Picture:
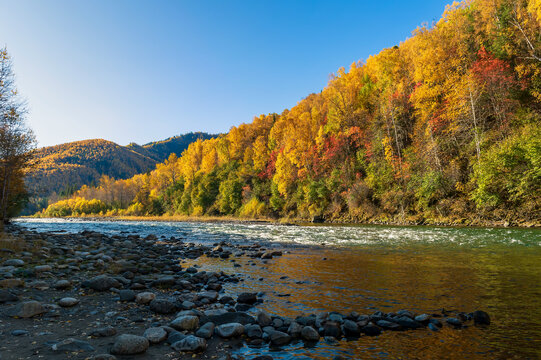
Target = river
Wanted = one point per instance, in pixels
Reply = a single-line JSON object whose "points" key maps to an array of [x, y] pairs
{"points": [[369, 268]]}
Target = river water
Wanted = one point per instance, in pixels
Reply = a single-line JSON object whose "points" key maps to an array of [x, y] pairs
{"points": [[369, 268]]}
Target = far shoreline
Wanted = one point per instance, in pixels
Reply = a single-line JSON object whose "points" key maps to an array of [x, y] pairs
{"points": [[299, 222]]}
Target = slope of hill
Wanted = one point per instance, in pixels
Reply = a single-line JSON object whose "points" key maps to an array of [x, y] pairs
{"points": [[160, 150], [63, 168]]}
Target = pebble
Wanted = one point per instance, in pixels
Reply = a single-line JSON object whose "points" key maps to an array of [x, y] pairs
{"points": [[127, 344], [68, 302], [190, 343], [155, 335]]}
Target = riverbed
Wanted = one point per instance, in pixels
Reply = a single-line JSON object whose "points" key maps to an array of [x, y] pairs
{"points": [[369, 268]]}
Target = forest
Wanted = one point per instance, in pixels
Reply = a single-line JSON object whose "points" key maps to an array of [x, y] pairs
{"points": [[444, 127]]}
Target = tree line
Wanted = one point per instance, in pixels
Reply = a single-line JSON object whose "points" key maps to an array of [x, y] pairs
{"points": [[442, 126]]}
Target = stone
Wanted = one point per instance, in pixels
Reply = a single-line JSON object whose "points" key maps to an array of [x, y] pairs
{"points": [[332, 328], [127, 344], [264, 319], [389, 325], [295, 329], [187, 305], [42, 268], [162, 306], [408, 323], [68, 302], [206, 330], [406, 313], [190, 343], [145, 297], [279, 338], [229, 330], [371, 330], [481, 318], [423, 318], [126, 295], [253, 331], [155, 335], [104, 332], [308, 333], [101, 283], [454, 322], [186, 322], [433, 327], [6, 296], [28, 309], [19, 332], [14, 262], [351, 328], [230, 317], [175, 336], [247, 298], [72, 345], [11, 283], [62, 284]]}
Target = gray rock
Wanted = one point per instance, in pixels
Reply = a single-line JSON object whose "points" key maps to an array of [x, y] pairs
{"points": [[71, 345], [247, 298], [68, 302], [14, 262], [102, 283], [162, 306], [333, 329], [253, 331], [104, 357], [279, 338], [127, 344], [263, 318], [104, 332], [127, 295], [351, 328], [295, 329], [408, 323], [371, 330], [186, 322], [308, 333], [423, 318], [481, 318], [42, 268], [230, 317], [388, 325], [187, 305], [229, 330], [28, 309], [206, 331], [6, 296], [155, 335], [62, 284], [175, 336], [190, 343], [144, 297], [19, 332], [454, 322], [405, 313], [433, 327]]}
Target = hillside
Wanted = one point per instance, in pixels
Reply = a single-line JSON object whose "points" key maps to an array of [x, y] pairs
{"points": [[62, 169], [443, 127], [160, 150]]}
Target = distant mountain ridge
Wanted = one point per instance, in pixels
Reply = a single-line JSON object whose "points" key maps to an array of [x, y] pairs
{"points": [[66, 167]]}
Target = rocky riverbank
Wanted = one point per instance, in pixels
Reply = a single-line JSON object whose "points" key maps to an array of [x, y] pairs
{"points": [[93, 296]]}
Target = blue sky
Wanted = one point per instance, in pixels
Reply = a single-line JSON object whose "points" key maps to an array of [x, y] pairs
{"points": [[141, 71]]}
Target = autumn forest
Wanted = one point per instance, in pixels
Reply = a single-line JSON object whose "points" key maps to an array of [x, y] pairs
{"points": [[443, 127]]}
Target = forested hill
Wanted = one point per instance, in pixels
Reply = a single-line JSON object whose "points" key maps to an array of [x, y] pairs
{"points": [[445, 126], [64, 168], [160, 150]]}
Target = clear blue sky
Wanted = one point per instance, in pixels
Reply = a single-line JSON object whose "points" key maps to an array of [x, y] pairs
{"points": [[141, 71]]}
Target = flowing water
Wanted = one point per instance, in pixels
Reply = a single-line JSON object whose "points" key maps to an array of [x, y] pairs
{"points": [[368, 268]]}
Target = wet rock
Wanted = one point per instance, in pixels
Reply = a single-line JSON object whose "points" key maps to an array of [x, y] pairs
{"points": [[42, 268], [14, 262], [104, 332], [423, 318], [230, 317], [332, 328], [350, 328], [72, 345], [371, 330], [229, 330], [28, 309], [155, 335], [247, 298], [406, 313], [68, 302], [11, 283], [104, 357], [101, 283], [190, 343], [433, 327], [481, 318], [6, 296], [389, 325], [186, 322], [264, 319], [164, 281], [295, 329], [454, 322], [19, 332], [144, 297], [206, 331], [162, 306], [279, 338], [175, 336], [253, 331], [408, 323], [308, 333], [127, 344], [126, 295]]}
